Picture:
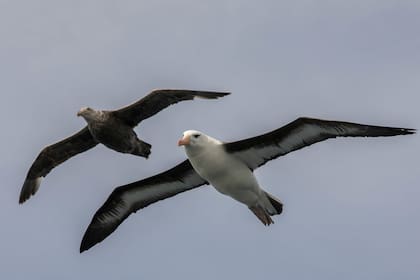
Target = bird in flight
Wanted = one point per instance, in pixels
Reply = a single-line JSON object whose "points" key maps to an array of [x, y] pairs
{"points": [[114, 129], [228, 167]]}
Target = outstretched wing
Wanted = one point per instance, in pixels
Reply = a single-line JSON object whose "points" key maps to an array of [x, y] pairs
{"points": [[53, 155], [300, 133], [129, 198], [158, 100]]}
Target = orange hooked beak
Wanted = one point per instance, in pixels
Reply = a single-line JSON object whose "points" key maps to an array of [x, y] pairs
{"points": [[184, 141]]}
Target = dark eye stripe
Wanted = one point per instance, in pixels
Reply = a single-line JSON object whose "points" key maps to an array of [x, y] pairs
{"points": [[196, 135]]}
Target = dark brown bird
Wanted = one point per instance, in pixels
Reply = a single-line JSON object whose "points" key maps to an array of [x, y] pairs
{"points": [[114, 129]]}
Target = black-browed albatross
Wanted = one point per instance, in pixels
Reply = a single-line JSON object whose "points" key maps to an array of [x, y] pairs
{"points": [[114, 129], [228, 167]]}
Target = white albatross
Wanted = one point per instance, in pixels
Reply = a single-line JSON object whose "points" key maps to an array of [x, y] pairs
{"points": [[228, 167]]}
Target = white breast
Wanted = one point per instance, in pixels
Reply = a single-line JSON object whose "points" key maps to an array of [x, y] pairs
{"points": [[226, 173]]}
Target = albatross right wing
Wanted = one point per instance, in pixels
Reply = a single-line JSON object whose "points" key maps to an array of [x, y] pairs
{"points": [[301, 133], [129, 198], [53, 155]]}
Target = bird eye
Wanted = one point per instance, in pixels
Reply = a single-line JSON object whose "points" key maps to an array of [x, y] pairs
{"points": [[196, 135]]}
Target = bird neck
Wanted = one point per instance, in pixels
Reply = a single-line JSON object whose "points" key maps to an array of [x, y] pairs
{"points": [[93, 116], [210, 146]]}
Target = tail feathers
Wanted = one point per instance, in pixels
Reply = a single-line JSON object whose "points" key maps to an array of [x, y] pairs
{"points": [[262, 214], [276, 203], [142, 149], [30, 187]]}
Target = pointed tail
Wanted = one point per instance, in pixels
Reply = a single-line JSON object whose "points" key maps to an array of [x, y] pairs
{"points": [[264, 213], [276, 203]]}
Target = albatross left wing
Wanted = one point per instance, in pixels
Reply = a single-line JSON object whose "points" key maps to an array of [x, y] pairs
{"points": [[129, 198], [158, 100], [300, 133]]}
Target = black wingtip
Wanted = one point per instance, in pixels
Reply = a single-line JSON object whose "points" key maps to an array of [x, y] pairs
{"points": [[221, 94], [408, 130], [22, 198], [87, 243], [211, 94], [393, 131], [111, 214], [82, 249]]}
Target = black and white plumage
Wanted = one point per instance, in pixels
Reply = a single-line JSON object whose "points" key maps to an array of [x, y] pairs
{"points": [[114, 129], [127, 199], [228, 167]]}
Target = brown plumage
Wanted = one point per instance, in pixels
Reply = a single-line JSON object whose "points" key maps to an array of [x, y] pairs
{"points": [[114, 129]]}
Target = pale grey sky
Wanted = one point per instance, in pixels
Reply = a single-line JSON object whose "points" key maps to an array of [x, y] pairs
{"points": [[352, 206]]}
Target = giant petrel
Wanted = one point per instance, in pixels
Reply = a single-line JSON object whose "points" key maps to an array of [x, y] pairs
{"points": [[114, 129]]}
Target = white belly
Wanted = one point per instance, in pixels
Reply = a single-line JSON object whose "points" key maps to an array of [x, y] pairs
{"points": [[228, 175]]}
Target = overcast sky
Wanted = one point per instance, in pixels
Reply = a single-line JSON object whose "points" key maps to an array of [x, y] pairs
{"points": [[351, 206]]}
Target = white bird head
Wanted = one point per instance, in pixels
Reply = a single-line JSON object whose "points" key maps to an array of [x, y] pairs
{"points": [[192, 139], [87, 113]]}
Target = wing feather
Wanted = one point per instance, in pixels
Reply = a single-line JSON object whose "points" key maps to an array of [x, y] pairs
{"points": [[158, 100], [53, 155], [130, 198], [300, 133]]}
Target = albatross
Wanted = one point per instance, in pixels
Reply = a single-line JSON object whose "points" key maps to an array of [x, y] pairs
{"points": [[228, 167], [114, 129]]}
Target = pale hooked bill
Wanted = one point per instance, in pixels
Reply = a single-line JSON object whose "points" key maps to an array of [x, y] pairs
{"points": [[228, 167]]}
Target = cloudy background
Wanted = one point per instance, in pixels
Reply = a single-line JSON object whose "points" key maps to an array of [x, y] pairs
{"points": [[352, 206]]}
